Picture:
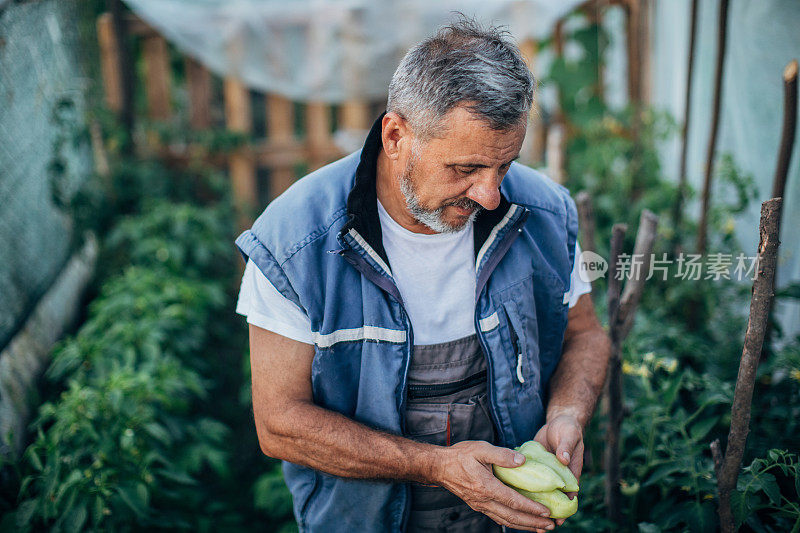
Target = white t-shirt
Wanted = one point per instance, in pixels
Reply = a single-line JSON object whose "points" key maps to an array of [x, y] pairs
{"points": [[435, 275]]}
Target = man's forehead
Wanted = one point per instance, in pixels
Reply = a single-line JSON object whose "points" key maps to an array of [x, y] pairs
{"points": [[464, 118], [461, 127], [467, 136]]}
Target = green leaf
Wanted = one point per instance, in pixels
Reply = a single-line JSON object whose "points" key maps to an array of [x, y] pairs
{"points": [[75, 519], [97, 512], [25, 512], [647, 527], [703, 518], [178, 477], [132, 496], [701, 428], [158, 432], [770, 486], [797, 483], [35, 460], [671, 393], [740, 506], [662, 472], [73, 478]]}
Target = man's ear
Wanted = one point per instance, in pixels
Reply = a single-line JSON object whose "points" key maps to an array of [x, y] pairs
{"points": [[396, 135]]}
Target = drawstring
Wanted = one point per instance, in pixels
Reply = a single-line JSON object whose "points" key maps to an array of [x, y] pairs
{"points": [[448, 427], [519, 368]]}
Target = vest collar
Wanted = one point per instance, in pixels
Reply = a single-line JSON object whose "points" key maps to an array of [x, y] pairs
{"points": [[362, 203]]}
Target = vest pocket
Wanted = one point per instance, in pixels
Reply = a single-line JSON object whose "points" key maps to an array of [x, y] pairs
{"points": [[522, 347], [447, 423], [416, 392], [426, 422]]}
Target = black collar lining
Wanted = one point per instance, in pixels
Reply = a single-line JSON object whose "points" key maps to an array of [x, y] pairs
{"points": [[362, 202]]}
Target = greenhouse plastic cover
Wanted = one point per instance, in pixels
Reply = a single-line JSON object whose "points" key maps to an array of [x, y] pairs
{"points": [[325, 50]]}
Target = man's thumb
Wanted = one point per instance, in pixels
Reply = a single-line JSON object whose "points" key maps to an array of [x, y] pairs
{"points": [[565, 449], [503, 457]]}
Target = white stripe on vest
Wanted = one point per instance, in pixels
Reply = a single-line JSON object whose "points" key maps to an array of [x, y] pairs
{"points": [[364, 333], [489, 323]]}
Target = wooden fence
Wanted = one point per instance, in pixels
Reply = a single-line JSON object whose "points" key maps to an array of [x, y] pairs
{"points": [[287, 146]]}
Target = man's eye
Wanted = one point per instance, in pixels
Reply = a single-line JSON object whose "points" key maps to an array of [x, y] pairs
{"points": [[465, 171]]}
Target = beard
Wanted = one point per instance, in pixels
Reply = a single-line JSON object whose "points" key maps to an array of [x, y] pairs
{"points": [[433, 218]]}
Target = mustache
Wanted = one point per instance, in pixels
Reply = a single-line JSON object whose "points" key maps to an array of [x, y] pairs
{"points": [[465, 203]]}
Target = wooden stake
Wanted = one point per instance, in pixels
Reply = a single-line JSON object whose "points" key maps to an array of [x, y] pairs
{"points": [[557, 129], [109, 62], [784, 156], [621, 313], [533, 148], [643, 249], [555, 151], [280, 124], [636, 15], [242, 168], [645, 76], [318, 133], [722, 31], [677, 212], [157, 77], [198, 83], [596, 17], [124, 68], [633, 42], [354, 115], [586, 220], [728, 471], [613, 388], [787, 131]]}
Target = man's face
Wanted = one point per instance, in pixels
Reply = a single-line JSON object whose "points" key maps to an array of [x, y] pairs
{"points": [[449, 178]]}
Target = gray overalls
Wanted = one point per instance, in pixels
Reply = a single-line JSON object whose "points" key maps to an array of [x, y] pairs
{"points": [[447, 403]]}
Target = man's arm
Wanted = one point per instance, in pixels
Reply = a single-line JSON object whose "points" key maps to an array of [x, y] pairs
{"points": [[291, 427], [576, 384], [578, 380]]}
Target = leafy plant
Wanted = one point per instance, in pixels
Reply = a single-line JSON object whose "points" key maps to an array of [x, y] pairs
{"points": [[186, 239], [767, 495], [111, 453]]}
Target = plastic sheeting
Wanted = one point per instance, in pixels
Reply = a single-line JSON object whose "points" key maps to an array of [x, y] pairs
{"points": [[325, 50], [762, 38], [42, 107]]}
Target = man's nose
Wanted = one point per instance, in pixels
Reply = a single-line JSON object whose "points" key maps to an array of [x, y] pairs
{"points": [[486, 190]]}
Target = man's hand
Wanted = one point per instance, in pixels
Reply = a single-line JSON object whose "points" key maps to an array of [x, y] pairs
{"points": [[575, 386], [466, 471], [563, 436]]}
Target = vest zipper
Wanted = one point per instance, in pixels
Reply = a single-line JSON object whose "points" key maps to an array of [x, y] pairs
{"points": [[445, 389], [516, 345], [482, 279]]}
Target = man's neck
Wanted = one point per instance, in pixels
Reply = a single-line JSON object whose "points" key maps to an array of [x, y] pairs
{"points": [[391, 197]]}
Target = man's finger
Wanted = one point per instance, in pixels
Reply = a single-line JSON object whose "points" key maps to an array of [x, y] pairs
{"points": [[576, 465], [516, 519], [519, 514], [499, 456], [566, 446], [518, 502]]}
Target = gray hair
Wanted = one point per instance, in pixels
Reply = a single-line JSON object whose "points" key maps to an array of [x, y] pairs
{"points": [[463, 64]]}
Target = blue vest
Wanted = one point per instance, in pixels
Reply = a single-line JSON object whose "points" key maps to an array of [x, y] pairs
{"points": [[320, 245]]}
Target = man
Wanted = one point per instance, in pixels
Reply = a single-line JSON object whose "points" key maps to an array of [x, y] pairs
{"points": [[414, 307]]}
